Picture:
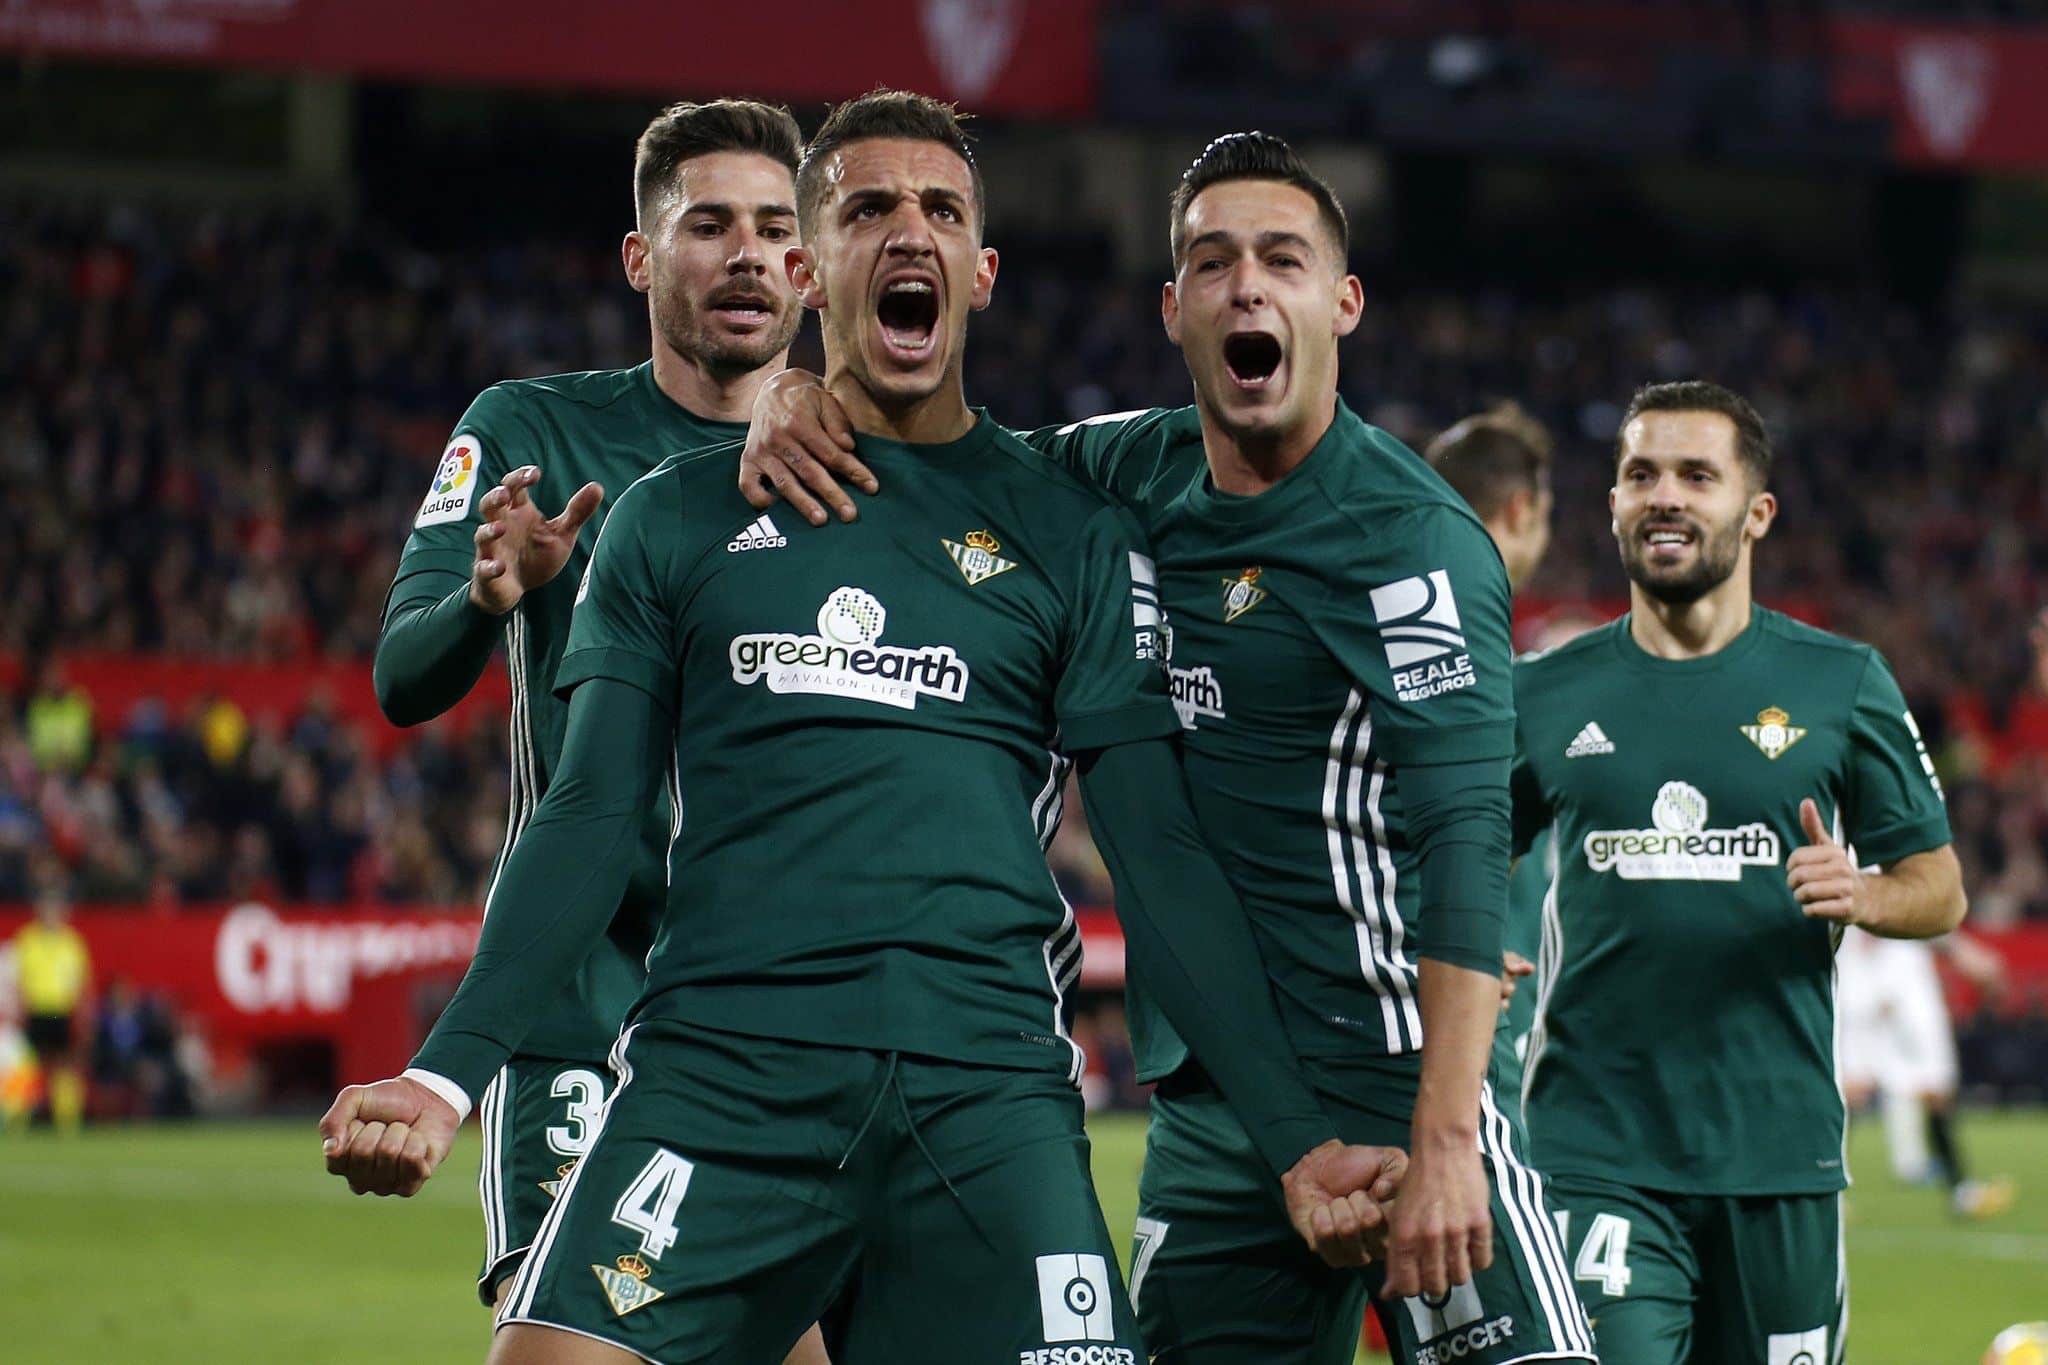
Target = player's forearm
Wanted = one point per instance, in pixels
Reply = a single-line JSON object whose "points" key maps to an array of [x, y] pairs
{"points": [[434, 646], [1919, 896], [1459, 1009], [1188, 941], [561, 884], [1458, 816]]}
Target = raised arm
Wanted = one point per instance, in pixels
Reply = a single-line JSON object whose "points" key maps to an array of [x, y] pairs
{"points": [[1191, 945], [552, 900]]}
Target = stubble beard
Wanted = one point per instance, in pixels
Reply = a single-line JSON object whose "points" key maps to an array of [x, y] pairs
{"points": [[1720, 550], [689, 335]]}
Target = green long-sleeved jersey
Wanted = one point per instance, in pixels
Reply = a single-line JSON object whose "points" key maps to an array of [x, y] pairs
{"points": [[606, 426], [1340, 662], [871, 726]]}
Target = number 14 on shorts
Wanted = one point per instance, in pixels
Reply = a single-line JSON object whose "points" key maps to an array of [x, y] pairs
{"points": [[1603, 1260]]}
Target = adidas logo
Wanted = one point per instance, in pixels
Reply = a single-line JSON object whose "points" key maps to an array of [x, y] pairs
{"points": [[1591, 740], [761, 535]]}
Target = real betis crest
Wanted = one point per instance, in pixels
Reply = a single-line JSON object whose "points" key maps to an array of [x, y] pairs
{"points": [[1241, 594], [977, 558], [627, 1286], [1773, 732], [554, 1187]]}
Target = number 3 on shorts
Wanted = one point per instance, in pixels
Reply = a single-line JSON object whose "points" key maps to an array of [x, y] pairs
{"points": [[1604, 1257], [649, 1204], [585, 1092]]}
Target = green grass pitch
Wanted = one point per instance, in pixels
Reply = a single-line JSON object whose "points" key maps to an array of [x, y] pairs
{"points": [[226, 1242]]}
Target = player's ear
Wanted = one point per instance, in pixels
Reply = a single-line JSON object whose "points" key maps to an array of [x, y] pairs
{"points": [[985, 263], [633, 253], [1763, 510], [1350, 305], [803, 275], [1169, 311], [1613, 521]]}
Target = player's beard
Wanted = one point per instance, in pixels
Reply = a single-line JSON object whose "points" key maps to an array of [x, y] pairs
{"points": [[1720, 550], [685, 326]]}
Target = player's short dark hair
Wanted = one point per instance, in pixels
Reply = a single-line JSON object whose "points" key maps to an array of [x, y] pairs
{"points": [[1493, 455], [683, 132], [883, 113], [1255, 156], [1752, 439]]}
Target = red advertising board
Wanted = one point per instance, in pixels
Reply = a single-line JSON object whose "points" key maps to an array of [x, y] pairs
{"points": [[1009, 56], [253, 974]]}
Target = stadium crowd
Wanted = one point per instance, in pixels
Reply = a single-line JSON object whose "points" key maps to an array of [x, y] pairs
{"points": [[214, 430]]}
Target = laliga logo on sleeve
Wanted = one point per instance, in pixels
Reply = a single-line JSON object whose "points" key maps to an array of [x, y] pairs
{"points": [[454, 484]]}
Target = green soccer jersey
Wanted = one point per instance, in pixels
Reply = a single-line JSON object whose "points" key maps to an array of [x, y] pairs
{"points": [[1349, 621], [607, 426], [1685, 1032], [909, 685]]}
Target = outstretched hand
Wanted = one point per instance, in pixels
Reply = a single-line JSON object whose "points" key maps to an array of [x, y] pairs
{"points": [[1334, 1197], [518, 549], [387, 1138]]}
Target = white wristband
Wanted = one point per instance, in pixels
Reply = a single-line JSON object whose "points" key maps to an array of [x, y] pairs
{"points": [[457, 1097]]}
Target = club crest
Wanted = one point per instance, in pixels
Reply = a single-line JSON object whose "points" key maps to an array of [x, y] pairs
{"points": [[1773, 732], [627, 1286], [974, 554], [1241, 594]]}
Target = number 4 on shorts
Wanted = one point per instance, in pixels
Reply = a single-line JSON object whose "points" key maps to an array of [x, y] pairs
{"points": [[649, 1204], [1604, 1257]]}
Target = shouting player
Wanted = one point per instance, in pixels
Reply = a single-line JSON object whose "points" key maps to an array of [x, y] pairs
{"points": [[847, 1090], [1340, 662], [1706, 766], [715, 198]]}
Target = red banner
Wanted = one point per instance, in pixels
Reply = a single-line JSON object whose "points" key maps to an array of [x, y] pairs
{"points": [[1009, 56], [252, 974], [1954, 95]]}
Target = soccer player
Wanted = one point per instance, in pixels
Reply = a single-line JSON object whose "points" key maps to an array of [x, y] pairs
{"points": [[715, 199], [1707, 765], [1499, 463], [847, 1090], [1339, 659]]}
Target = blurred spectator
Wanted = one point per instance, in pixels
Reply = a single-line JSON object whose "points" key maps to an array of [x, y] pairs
{"points": [[137, 1069], [53, 970], [215, 450]]}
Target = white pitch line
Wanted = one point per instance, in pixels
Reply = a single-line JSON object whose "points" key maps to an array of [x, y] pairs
{"points": [[1984, 1246]]}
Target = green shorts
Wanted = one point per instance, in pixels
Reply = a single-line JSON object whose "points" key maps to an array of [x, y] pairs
{"points": [[1221, 1278], [1738, 1280], [538, 1116], [742, 1188]]}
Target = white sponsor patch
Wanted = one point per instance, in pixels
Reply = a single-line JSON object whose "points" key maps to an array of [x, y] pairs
{"points": [[1423, 637], [1073, 1298], [1197, 695], [1146, 618], [454, 485], [1797, 1348], [1679, 846], [844, 660]]}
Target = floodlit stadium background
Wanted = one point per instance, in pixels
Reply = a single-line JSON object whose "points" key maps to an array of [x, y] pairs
{"points": [[255, 258]]}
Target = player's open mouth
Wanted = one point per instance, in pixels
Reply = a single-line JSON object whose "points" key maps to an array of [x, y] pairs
{"points": [[908, 312], [743, 310], [1668, 542], [1252, 358]]}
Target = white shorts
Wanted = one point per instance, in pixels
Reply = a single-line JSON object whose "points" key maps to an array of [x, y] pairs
{"points": [[1894, 1030]]}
